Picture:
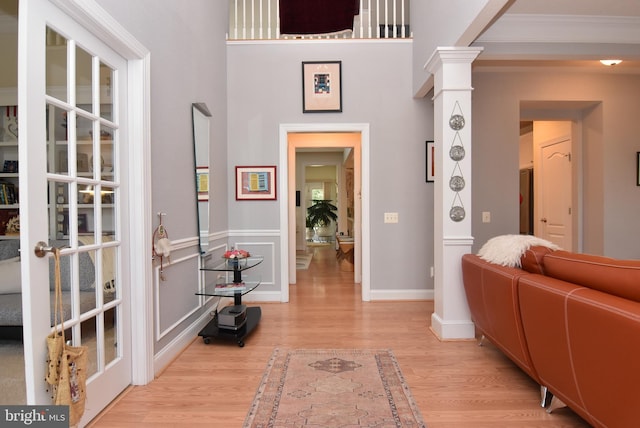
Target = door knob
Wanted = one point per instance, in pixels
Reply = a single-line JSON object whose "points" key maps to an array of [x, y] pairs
{"points": [[544, 220], [42, 249]]}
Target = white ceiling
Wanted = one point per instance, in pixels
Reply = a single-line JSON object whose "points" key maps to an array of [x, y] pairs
{"points": [[563, 34], [577, 7]]}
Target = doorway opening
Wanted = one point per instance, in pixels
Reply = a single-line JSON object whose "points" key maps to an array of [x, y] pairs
{"points": [[571, 132], [345, 139], [566, 133], [547, 195]]}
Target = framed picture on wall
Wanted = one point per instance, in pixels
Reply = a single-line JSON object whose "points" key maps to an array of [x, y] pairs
{"points": [[255, 183], [431, 162], [322, 86]]}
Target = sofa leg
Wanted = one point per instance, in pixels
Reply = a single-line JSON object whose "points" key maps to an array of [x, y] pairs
{"points": [[481, 341], [556, 403], [545, 396], [550, 401]]}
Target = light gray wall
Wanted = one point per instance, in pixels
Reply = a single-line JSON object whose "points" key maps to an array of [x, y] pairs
{"points": [[443, 23], [188, 64], [265, 90], [611, 199], [187, 45]]}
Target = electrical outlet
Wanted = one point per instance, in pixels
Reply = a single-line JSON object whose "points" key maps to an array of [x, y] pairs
{"points": [[390, 217], [486, 217]]}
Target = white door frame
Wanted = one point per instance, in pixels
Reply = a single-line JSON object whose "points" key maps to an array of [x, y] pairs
{"points": [[287, 211], [106, 28]]}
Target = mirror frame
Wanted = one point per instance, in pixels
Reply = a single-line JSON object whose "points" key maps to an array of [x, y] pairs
{"points": [[200, 115]]}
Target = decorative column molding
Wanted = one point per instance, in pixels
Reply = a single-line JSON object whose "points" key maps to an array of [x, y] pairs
{"points": [[451, 68]]}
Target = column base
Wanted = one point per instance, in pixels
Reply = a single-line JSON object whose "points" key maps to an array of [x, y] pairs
{"points": [[452, 330]]}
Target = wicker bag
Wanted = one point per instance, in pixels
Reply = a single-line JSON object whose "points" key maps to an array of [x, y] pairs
{"points": [[66, 365]]}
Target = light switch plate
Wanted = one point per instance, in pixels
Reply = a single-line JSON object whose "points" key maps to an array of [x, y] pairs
{"points": [[390, 217]]}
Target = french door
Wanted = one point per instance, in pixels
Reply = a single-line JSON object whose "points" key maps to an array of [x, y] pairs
{"points": [[72, 96]]}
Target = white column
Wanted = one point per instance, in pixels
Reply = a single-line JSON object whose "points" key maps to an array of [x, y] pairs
{"points": [[451, 68]]}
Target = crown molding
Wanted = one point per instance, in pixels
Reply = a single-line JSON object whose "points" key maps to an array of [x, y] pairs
{"points": [[530, 28]]}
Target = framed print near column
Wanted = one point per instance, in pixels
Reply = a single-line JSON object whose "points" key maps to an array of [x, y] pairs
{"points": [[322, 86], [255, 183], [431, 162]]}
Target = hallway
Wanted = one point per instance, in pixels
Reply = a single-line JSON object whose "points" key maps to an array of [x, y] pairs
{"points": [[455, 384]]}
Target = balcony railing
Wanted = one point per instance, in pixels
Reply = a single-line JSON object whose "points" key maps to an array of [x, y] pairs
{"points": [[377, 19]]}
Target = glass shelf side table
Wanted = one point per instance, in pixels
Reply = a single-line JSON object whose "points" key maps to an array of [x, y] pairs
{"points": [[238, 321]]}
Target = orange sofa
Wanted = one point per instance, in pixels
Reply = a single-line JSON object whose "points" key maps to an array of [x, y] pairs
{"points": [[571, 322]]}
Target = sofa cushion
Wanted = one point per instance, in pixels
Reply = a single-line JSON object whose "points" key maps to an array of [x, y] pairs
{"points": [[532, 259], [86, 269], [9, 248], [542, 307], [618, 277], [87, 273], [10, 276], [11, 306], [11, 309], [605, 355]]}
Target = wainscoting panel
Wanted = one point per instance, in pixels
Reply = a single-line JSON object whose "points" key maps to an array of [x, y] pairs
{"points": [[175, 297], [265, 270]]}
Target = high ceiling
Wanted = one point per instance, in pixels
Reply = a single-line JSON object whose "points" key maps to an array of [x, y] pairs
{"points": [[577, 7], [563, 34]]}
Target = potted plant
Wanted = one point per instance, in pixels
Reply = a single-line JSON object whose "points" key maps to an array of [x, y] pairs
{"points": [[321, 214], [309, 228]]}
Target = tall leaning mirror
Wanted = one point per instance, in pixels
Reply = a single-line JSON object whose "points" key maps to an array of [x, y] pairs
{"points": [[200, 117]]}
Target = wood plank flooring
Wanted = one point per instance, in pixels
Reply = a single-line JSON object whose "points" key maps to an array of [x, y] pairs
{"points": [[455, 384]]}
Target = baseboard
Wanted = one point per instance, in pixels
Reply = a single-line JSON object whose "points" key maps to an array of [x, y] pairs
{"points": [[402, 295], [446, 330], [169, 353]]}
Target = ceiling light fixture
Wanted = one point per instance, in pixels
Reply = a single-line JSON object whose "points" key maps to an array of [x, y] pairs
{"points": [[610, 62]]}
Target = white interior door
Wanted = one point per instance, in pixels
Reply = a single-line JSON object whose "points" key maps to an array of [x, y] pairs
{"points": [[555, 196], [72, 103]]}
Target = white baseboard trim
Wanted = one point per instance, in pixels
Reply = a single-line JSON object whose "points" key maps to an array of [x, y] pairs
{"points": [[167, 354], [452, 329], [402, 295]]}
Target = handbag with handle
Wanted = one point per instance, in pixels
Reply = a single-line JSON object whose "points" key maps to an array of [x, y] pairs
{"points": [[66, 365]]}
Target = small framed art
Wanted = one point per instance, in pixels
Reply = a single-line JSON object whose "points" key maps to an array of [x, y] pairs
{"points": [[321, 86], [431, 162], [255, 183]]}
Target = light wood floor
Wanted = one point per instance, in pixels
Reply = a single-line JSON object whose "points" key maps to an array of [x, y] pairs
{"points": [[455, 384]]}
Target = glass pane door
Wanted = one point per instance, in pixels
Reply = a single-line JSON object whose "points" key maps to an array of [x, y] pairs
{"points": [[73, 198], [82, 167]]}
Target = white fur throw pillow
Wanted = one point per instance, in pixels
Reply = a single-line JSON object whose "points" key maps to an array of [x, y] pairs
{"points": [[506, 250]]}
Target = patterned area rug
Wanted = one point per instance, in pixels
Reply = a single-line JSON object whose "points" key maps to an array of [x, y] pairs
{"points": [[333, 388], [303, 261]]}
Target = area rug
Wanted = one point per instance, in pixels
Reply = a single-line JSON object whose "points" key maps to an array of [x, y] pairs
{"points": [[303, 261], [333, 388], [319, 244]]}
